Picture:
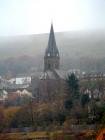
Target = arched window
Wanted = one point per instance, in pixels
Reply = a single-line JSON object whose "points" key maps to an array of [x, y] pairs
{"points": [[48, 54], [57, 54], [49, 66]]}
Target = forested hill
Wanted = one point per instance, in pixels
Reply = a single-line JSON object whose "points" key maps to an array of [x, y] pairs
{"points": [[75, 44], [73, 47]]}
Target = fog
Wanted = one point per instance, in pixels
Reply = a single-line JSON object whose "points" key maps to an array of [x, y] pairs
{"points": [[34, 16], [79, 27], [78, 49]]}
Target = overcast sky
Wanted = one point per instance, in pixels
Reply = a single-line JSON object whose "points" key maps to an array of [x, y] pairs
{"points": [[34, 16]]}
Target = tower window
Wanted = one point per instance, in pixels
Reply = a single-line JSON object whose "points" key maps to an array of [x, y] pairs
{"points": [[49, 66], [57, 54], [48, 54]]}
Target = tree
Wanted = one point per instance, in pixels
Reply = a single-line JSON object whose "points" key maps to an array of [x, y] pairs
{"points": [[68, 104], [97, 114], [84, 99], [2, 118], [72, 98], [9, 113], [22, 118], [73, 85]]}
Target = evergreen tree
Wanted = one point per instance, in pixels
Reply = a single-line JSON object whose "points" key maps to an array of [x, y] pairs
{"points": [[84, 99], [73, 85]]}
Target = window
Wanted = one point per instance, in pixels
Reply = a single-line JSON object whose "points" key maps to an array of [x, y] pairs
{"points": [[57, 54], [48, 54], [49, 66]]}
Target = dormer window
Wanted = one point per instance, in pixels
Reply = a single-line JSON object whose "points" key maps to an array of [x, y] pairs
{"points": [[48, 54]]}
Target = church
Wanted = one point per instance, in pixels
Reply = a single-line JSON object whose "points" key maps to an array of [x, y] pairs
{"points": [[52, 80]]}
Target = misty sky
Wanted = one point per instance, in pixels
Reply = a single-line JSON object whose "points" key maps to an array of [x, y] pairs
{"points": [[34, 16]]}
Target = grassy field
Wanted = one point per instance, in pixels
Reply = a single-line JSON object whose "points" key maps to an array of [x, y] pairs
{"points": [[23, 136], [56, 135]]}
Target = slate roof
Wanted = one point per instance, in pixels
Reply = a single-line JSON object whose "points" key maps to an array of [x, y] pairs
{"points": [[54, 75], [52, 47]]}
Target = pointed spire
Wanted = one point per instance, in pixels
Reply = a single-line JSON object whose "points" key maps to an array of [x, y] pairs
{"points": [[52, 48], [51, 59], [51, 21]]}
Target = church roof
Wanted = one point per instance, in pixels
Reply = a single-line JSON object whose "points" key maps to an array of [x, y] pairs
{"points": [[61, 74], [53, 75], [48, 75], [52, 47]]}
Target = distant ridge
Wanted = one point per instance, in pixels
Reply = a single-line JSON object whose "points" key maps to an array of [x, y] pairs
{"points": [[81, 50], [87, 43]]}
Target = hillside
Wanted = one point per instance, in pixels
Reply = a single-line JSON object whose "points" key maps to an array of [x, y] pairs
{"points": [[76, 48]]}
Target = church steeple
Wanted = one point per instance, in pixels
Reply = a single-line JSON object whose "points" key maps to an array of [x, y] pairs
{"points": [[52, 48], [51, 59]]}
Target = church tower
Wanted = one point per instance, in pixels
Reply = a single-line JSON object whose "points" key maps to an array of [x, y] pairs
{"points": [[51, 58]]}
